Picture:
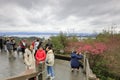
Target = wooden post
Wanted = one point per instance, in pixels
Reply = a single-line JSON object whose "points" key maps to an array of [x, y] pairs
{"points": [[40, 69]]}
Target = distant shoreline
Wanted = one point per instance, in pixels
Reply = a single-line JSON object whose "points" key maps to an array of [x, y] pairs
{"points": [[43, 34]]}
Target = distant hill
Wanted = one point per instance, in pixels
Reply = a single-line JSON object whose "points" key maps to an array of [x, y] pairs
{"points": [[43, 33]]}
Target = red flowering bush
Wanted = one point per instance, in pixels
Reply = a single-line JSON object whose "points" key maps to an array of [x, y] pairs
{"points": [[102, 51], [73, 46], [95, 48]]}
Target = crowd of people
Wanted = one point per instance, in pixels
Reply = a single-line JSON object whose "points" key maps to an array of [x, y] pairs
{"points": [[35, 53]]}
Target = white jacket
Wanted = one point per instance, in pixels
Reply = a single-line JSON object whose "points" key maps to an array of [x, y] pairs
{"points": [[29, 59], [36, 45], [50, 58]]}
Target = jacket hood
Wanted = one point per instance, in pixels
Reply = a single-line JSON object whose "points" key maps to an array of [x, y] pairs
{"points": [[50, 51]]}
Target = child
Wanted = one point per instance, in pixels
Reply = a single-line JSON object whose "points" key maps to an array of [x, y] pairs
{"points": [[50, 62]]}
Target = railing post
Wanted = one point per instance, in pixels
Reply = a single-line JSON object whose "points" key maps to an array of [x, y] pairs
{"points": [[40, 69], [89, 73], [87, 69], [84, 64]]}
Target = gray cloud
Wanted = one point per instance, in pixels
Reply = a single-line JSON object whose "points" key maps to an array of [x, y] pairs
{"points": [[28, 4], [86, 8], [62, 14]]}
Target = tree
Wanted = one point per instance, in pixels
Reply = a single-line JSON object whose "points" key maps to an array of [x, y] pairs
{"points": [[59, 42]]}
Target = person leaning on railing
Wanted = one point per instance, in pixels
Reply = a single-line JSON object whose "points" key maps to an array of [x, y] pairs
{"points": [[75, 57]]}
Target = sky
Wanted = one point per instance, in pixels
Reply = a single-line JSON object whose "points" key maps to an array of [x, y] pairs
{"points": [[84, 16]]}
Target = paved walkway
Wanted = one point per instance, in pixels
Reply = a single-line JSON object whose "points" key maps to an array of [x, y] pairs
{"points": [[10, 68]]}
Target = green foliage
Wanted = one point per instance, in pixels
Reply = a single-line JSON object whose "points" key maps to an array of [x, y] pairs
{"points": [[103, 37], [59, 42], [100, 70], [107, 68], [73, 39], [101, 65], [89, 41], [56, 43], [108, 78], [63, 39]]}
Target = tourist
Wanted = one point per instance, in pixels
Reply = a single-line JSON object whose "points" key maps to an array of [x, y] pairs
{"points": [[1, 44], [9, 46], [49, 43], [14, 44], [40, 55], [50, 62], [29, 58], [21, 47], [75, 57], [36, 43], [4, 43]]}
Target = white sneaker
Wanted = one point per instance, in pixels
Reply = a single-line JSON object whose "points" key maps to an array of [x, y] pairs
{"points": [[48, 76], [52, 78]]}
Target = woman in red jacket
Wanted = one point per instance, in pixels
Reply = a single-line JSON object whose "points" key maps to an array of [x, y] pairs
{"points": [[40, 55]]}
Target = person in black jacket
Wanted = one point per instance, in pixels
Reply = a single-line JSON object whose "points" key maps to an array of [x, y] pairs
{"points": [[49, 43], [9, 46], [1, 44]]}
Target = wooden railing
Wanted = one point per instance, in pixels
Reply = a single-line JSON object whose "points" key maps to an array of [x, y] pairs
{"points": [[40, 71], [87, 70], [26, 75]]}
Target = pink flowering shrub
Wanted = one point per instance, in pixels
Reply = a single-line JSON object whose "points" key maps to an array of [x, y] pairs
{"points": [[94, 49]]}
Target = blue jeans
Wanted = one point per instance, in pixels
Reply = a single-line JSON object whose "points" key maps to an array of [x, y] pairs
{"points": [[50, 71]]}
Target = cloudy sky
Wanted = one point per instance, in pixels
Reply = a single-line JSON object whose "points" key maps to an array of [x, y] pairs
{"points": [[59, 15]]}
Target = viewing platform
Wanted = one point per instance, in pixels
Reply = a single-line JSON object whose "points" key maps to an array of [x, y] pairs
{"points": [[10, 68]]}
